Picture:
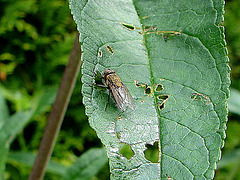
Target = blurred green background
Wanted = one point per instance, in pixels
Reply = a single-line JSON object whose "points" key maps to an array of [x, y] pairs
{"points": [[36, 39]]}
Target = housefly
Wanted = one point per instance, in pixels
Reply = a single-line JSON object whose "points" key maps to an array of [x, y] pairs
{"points": [[118, 90]]}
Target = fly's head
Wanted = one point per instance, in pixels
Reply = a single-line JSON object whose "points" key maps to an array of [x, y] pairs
{"points": [[107, 72], [107, 75]]}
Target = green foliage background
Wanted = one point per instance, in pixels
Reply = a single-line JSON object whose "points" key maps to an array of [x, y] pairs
{"points": [[36, 39]]}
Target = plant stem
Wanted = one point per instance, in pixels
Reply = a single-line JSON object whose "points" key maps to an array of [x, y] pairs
{"points": [[57, 114]]}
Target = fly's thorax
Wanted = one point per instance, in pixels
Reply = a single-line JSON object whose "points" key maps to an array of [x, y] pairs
{"points": [[111, 78], [114, 79], [118, 90]]}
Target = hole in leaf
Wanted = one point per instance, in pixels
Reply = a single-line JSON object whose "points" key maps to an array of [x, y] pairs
{"points": [[167, 34], [142, 101], [178, 33], [168, 178], [109, 48], [128, 26], [201, 97], [118, 135], [120, 118], [163, 96], [147, 89], [100, 53], [150, 28], [161, 105], [139, 84], [126, 151], [152, 152], [165, 37], [196, 96], [159, 87]]}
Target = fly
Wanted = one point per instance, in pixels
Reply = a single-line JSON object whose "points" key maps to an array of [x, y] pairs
{"points": [[118, 90]]}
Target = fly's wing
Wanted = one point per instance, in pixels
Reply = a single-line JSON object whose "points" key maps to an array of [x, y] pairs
{"points": [[122, 97], [129, 99]]}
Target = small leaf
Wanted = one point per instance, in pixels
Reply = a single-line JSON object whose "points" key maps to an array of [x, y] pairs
{"points": [[177, 44]]}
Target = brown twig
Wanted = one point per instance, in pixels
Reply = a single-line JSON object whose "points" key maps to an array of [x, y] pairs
{"points": [[58, 111]]}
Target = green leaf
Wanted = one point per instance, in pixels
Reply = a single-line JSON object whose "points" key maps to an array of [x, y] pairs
{"points": [[15, 123], [43, 99], [234, 101], [21, 100], [228, 167], [11, 125], [3, 154], [87, 165], [4, 114], [176, 45], [230, 158], [27, 159]]}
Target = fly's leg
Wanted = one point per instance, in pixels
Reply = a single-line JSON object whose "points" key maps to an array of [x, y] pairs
{"points": [[108, 99], [95, 84], [96, 74], [98, 85]]}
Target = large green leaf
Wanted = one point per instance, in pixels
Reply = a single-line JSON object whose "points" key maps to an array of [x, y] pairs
{"points": [[8, 132], [11, 125], [177, 46], [234, 101], [4, 114], [27, 159], [87, 165]]}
